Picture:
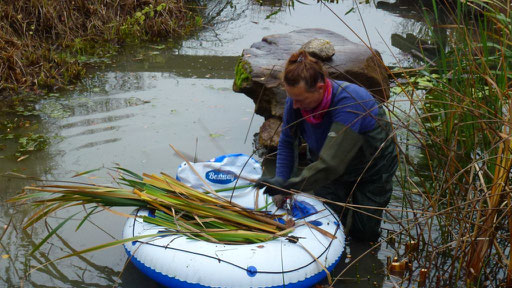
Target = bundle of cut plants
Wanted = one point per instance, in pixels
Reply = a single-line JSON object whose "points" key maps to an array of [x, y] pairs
{"points": [[178, 208]]}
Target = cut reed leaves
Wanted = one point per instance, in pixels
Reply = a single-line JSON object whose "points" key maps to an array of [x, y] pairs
{"points": [[176, 207]]}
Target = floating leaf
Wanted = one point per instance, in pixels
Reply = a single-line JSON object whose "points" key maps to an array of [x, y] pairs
{"points": [[22, 157]]}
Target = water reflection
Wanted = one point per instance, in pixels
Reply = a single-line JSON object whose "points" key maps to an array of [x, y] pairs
{"points": [[76, 274], [360, 267], [175, 64], [410, 9], [109, 82], [374, 26]]}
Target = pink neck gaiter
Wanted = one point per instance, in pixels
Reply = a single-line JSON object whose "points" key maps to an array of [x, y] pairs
{"points": [[316, 115]]}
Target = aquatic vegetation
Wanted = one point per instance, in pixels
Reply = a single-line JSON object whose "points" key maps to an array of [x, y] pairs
{"points": [[25, 142], [54, 109], [456, 201], [32, 142], [45, 44], [134, 27], [242, 74]]}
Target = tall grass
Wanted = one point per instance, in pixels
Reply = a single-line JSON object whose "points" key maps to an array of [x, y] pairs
{"points": [[43, 44], [462, 131]]}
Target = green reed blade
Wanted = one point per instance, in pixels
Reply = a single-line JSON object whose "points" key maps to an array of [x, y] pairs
{"points": [[51, 233], [132, 174], [86, 217], [86, 172]]}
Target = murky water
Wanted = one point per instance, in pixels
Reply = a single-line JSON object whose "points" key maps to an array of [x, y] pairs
{"points": [[129, 113]]}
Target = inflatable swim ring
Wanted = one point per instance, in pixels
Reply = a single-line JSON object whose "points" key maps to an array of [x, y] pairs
{"points": [[178, 261]]}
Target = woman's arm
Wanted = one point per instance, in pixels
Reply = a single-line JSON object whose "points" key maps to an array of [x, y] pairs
{"points": [[287, 148]]}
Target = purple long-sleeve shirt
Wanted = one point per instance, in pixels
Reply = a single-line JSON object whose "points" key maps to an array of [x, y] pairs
{"points": [[351, 105]]}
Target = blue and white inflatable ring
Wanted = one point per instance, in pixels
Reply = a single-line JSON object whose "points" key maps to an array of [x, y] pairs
{"points": [[178, 261]]}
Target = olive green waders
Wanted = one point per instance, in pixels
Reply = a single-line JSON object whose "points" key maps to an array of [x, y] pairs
{"points": [[366, 162]]}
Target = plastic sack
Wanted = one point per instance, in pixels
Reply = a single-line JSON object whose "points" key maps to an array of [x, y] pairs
{"points": [[221, 172]]}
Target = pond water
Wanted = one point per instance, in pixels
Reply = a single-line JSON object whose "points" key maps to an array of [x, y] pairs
{"points": [[129, 113]]}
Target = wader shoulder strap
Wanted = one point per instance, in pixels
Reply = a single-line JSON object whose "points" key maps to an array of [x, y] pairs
{"points": [[341, 85]]}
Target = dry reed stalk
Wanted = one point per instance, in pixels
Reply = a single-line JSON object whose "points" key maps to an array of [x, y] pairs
{"points": [[509, 268], [484, 235]]}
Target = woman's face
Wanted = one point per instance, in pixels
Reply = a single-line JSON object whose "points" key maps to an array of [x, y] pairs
{"points": [[303, 98]]}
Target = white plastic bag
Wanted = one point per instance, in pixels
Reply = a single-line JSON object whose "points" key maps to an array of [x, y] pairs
{"points": [[221, 172]]}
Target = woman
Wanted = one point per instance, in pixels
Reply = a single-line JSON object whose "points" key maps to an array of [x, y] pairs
{"points": [[352, 155]]}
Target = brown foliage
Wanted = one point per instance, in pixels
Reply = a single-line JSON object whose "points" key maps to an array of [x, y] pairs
{"points": [[35, 35]]}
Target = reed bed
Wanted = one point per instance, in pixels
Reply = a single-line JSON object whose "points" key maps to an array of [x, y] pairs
{"points": [[452, 223], [455, 228], [44, 44]]}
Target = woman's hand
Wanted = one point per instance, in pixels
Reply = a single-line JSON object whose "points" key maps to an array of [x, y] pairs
{"points": [[273, 186]]}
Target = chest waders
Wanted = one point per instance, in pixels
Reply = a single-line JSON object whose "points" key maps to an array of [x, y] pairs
{"points": [[357, 168]]}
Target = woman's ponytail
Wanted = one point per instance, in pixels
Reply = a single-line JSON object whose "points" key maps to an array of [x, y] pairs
{"points": [[303, 68]]}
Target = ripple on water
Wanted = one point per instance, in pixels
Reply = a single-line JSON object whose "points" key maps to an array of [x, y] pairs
{"points": [[97, 143], [96, 121]]}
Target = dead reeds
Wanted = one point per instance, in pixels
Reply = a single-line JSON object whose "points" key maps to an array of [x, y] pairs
{"points": [[456, 143], [43, 44]]}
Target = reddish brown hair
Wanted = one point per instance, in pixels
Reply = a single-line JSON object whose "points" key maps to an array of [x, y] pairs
{"points": [[303, 68]]}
